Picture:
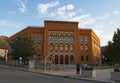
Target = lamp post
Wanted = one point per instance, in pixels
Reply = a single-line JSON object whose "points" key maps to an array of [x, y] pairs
{"points": [[6, 57]]}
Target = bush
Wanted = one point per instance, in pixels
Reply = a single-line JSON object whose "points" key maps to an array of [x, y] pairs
{"points": [[2, 59], [89, 68], [116, 70]]}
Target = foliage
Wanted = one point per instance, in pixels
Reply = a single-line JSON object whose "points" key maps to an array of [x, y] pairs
{"points": [[22, 47], [116, 70], [89, 68], [4, 41], [112, 50], [2, 59]]}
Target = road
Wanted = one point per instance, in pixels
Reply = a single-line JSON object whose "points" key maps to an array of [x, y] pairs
{"points": [[16, 76]]}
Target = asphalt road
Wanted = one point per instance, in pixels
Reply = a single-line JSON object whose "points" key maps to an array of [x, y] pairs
{"points": [[16, 76]]}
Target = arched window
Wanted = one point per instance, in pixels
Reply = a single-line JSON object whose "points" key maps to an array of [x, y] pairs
{"points": [[61, 59], [71, 47], [56, 46], [66, 47], [71, 37], [71, 58], [56, 59], [51, 46], [66, 59], [61, 47]]}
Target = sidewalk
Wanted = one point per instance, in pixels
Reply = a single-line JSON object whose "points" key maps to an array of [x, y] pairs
{"points": [[104, 78], [69, 73]]}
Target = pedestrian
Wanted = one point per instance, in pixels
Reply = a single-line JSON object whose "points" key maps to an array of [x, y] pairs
{"points": [[77, 69]]}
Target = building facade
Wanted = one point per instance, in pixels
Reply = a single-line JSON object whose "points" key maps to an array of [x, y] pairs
{"points": [[64, 42]]}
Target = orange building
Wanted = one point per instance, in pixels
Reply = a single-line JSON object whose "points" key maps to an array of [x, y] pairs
{"points": [[64, 42]]}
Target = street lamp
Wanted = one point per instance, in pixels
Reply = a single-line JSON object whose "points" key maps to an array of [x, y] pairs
{"points": [[6, 57]]}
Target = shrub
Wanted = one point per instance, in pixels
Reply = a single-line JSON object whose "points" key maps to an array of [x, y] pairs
{"points": [[89, 68], [116, 70]]}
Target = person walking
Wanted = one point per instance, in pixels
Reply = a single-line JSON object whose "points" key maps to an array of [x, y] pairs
{"points": [[77, 69]]}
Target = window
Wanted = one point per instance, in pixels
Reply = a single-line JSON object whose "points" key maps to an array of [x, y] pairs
{"points": [[86, 48], [61, 47], [71, 37], [34, 46], [34, 37], [66, 47], [61, 59], [39, 47], [56, 59], [51, 46], [66, 59], [56, 46], [82, 58], [71, 58], [86, 39], [40, 37], [81, 48], [81, 39], [86, 58], [71, 47]]}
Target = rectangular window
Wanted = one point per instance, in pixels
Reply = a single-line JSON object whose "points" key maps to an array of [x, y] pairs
{"points": [[81, 39], [86, 48], [86, 39], [82, 58], [34, 37], [40, 37], [39, 47], [86, 58], [81, 48]]}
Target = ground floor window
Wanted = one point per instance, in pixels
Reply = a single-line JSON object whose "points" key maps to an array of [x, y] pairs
{"points": [[56, 59], [66, 59], [61, 59], [71, 58]]}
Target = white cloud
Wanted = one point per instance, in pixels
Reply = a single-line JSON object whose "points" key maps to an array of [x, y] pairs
{"points": [[116, 12], [43, 8], [100, 33], [22, 7], [67, 12], [67, 7], [112, 22], [103, 17], [84, 20], [9, 24]]}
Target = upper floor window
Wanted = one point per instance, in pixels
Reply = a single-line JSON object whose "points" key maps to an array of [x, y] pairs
{"points": [[56, 46], [34, 37], [82, 58], [40, 37], [86, 48], [51, 46], [71, 38], [81, 39], [61, 46], [81, 48], [87, 58], [71, 47], [39, 47], [86, 39], [66, 47]]}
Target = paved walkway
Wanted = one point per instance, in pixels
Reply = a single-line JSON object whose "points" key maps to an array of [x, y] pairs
{"points": [[103, 76]]}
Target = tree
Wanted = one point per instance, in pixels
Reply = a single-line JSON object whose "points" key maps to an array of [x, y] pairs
{"points": [[112, 50], [22, 47]]}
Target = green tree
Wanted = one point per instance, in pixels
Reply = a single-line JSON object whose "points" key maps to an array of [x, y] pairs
{"points": [[22, 47], [112, 50]]}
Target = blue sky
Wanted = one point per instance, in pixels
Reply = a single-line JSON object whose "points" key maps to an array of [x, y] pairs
{"points": [[102, 16]]}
